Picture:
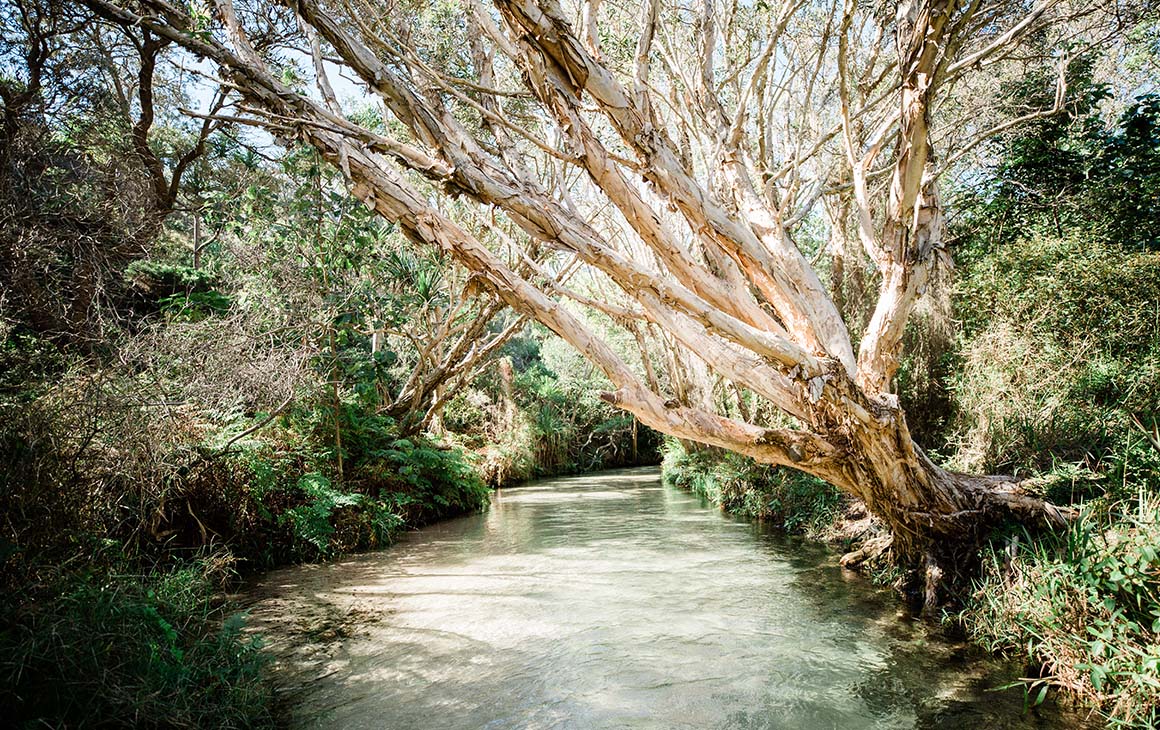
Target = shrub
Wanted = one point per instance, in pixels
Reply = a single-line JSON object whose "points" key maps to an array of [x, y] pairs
{"points": [[1087, 604], [160, 279], [423, 481], [1060, 358], [99, 650], [791, 500], [311, 521]]}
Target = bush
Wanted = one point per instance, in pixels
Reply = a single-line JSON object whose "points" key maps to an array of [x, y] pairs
{"points": [[539, 413], [1060, 359], [794, 501], [311, 521], [102, 651], [280, 499], [1087, 604], [123, 491], [158, 279], [423, 481], [510, 460]]}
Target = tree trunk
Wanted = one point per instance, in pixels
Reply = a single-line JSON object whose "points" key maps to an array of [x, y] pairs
{"points": [[714, 267], [936, 517]]}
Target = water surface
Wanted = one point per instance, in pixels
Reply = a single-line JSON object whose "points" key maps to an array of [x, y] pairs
{"points": [[610, 601]]}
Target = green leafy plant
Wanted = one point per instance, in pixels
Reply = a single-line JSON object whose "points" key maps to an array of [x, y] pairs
{"points": [[101, 650], [795, 502], [312, 521], [1086, 603]]}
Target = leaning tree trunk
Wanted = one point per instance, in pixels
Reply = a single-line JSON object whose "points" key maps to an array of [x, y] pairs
{"points": [[716, 267], [936, 517]]}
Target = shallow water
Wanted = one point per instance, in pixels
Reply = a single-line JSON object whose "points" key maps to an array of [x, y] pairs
{"points": [[610, 601]]}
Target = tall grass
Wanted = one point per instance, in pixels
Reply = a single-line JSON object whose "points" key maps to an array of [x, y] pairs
{"points": [[1084, 603], [114, 650], [1057, 374], [1060, 356]]}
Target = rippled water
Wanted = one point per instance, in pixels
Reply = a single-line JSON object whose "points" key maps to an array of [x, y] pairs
{"points": [[609, 601]]}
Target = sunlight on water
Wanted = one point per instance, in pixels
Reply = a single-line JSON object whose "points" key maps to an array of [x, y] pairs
{"points": [[609, 601]]}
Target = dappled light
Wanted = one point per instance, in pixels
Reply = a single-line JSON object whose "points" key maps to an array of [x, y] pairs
{"points": [[649, 609]]}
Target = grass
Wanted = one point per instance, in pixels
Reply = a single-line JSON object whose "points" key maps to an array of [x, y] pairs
{"points": [[1084, 603], [116, 650]]}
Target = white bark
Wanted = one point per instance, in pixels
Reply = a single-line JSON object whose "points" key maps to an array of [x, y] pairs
{"points": [[756, 146]]}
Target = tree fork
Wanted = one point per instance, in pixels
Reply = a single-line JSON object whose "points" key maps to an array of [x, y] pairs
{"points": [[763, 321]]}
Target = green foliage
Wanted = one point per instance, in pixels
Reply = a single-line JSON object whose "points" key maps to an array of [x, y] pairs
{"points": [[574, 430], [100, 650], [195, 306], [111, 640], [311, 521], [794, 501], [28, 363], [1057, 376], [1058, 296], [1060, 360], [1087, 603], [424, 481], [466, 413], [549, 419], [160, 278], [389, 484], [1074, 170]]}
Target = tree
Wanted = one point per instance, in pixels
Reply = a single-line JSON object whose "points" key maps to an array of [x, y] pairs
{"points": [[89, 170], [1076, 169], [676, 155], [408, 329]]}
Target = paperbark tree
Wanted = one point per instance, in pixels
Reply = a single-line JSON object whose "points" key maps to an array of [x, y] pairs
{"points": [[445, 345], [676, 156]]}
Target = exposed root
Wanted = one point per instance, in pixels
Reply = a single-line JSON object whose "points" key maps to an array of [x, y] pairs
{"points": [[1011, 496], [871, 549]]}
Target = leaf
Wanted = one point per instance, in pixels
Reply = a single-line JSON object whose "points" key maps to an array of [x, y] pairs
{"points": [[1040, 697], [1098, 672]]}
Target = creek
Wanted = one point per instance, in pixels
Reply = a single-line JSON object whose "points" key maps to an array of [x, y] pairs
{"points": [[611, 601]]}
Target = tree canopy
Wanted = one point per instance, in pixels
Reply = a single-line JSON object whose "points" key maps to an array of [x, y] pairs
{"points": [[680, 157]]}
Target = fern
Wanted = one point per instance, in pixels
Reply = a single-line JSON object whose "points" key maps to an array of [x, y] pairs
{"points": [[311, 521]]}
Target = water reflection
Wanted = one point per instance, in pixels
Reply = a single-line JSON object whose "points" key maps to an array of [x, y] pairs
{"points": [[609, 601]]}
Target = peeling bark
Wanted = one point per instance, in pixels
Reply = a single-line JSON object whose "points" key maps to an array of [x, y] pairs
{"points": [[721, 277]]}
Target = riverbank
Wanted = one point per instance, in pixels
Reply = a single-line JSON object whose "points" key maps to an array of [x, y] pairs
{"points": [[127, 622], [114, 607], [1079, 609], [137, 489]]}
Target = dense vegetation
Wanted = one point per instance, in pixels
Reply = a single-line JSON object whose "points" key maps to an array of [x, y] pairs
{"points": [[214, 359], [1058, 376], [252, 372]]}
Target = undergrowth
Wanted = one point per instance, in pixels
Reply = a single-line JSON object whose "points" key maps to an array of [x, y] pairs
{"points": [[105, 649], [1058, 381], [1085, 603], [790, 500], [1059, 362], [112, 612]]}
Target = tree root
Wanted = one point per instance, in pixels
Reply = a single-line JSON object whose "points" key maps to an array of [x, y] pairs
{"points": [[1012, 497], [871, 549]]}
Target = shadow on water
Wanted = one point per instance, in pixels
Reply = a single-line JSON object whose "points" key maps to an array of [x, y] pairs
{"points": [[609, 601]]}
